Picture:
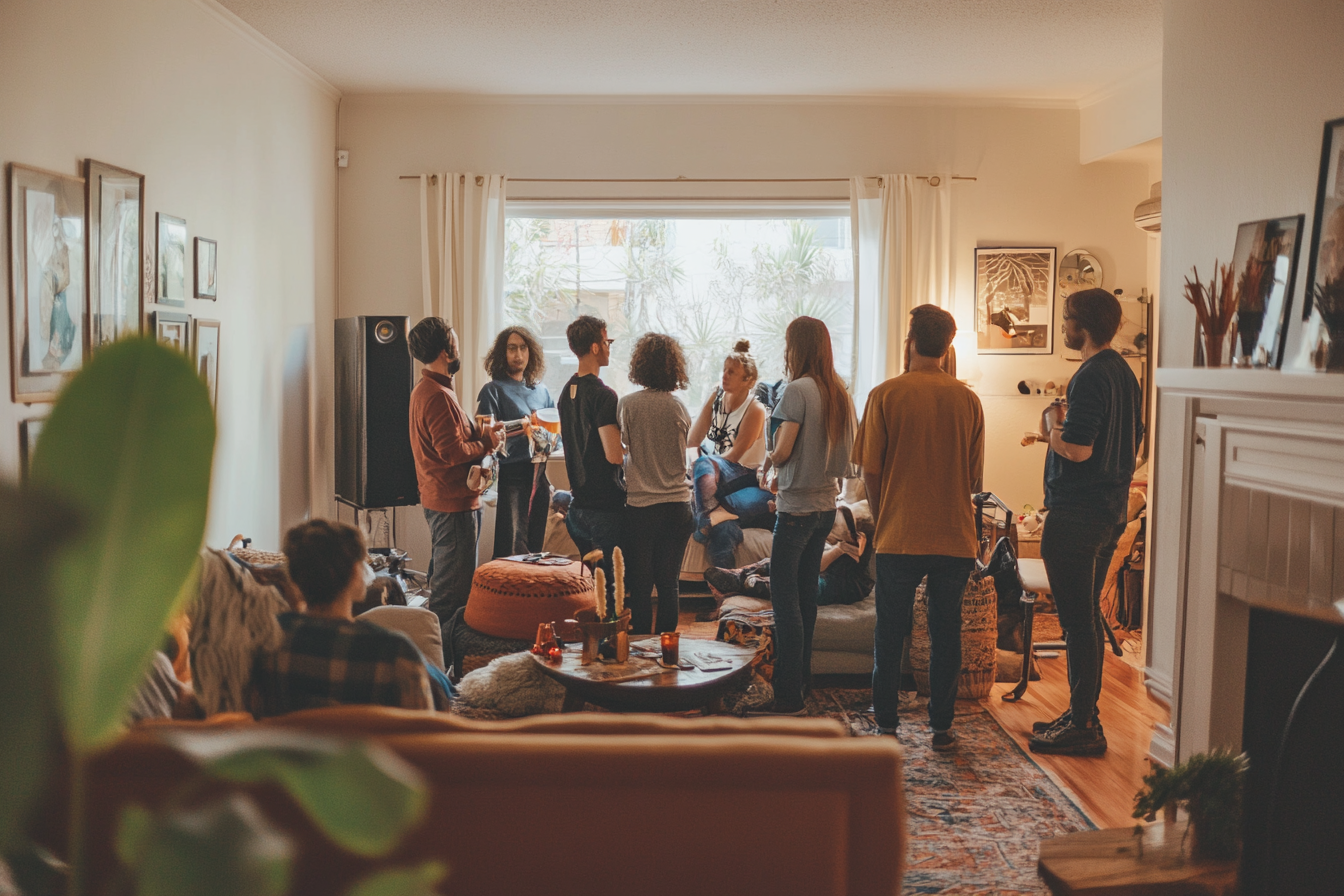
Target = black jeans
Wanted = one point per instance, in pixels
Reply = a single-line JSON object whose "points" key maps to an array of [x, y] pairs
{"points": [[520, 513], [1076, 547], [655, 543], [898, 578], [594, 529], [795, 569]]}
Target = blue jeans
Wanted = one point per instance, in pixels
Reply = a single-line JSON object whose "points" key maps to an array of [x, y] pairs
{"points": [[722, 482], [795, 568], [452, 560], [596, 529], [898, 577]]}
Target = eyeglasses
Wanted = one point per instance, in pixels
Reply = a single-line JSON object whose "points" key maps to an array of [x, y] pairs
{"points": [[609, 342]]}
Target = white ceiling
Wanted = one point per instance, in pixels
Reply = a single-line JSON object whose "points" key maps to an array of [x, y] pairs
{"points": [[1024, 49]]}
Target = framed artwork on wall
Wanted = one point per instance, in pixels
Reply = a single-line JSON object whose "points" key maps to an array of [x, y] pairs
{"points": [[1264, 264], [116, 202], [1323, 305], [172, 260], [206, 276], [173, 329], [1015, 300], [48, 287], [28, 433], [206, 340]]}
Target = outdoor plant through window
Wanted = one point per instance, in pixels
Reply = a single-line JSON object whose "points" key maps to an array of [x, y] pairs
{"points": [[706, 281]]}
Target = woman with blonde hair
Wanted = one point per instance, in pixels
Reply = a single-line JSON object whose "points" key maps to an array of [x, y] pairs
{"points": [[811, 447], [730, 432]]}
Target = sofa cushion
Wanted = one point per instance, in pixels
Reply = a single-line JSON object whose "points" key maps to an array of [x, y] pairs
{"points": [[755, 546], [846, 627]]}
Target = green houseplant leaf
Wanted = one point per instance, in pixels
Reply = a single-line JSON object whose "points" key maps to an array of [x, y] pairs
{"points": [[361, 795], [128, 446], [416, 881]]}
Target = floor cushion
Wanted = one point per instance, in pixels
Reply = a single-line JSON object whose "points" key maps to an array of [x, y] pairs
{"points": [[508, 599], [466, 650]]}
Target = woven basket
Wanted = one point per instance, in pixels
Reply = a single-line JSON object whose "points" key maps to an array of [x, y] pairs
{"points": [[979, 634]]}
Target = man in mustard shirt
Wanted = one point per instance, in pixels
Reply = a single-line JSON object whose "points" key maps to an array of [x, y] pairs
{"points": [[922, 448]]}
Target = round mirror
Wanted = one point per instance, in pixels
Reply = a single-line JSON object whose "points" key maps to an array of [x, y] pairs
{"points": [[1078, 269]]}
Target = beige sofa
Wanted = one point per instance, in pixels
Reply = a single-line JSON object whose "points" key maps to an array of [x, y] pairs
{"points": [[590, 803]]}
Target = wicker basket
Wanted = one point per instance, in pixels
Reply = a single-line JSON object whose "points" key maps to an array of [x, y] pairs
{"points": [[979, 634]]}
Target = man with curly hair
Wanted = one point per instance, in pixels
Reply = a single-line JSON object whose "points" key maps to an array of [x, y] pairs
{"points": [[591, 434], [516, 364]]}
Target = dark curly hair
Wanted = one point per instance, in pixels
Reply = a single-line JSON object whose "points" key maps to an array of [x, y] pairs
{"points": [[322, 555], [657, 363], [1096, 311], [430, 337], [497, 359], [582, 332]]}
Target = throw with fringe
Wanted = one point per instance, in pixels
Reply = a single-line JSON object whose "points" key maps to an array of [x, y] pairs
{"points": [[232, 617]]}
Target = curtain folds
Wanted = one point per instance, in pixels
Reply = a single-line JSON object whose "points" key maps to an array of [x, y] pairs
{"points": [[462, 264], [903, 258]]}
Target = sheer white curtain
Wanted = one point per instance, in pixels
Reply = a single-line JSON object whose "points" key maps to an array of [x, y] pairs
{"points": [[903, 248], [462, 264]]}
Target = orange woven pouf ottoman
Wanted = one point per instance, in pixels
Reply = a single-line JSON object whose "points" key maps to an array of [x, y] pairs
{"points": [[508, 599]]}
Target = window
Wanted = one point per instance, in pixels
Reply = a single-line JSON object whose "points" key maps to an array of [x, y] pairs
{"points": [[707, 281]]}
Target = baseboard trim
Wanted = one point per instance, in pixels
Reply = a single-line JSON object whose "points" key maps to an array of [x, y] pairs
{"points": [[1159, 686], [1162, 746]]}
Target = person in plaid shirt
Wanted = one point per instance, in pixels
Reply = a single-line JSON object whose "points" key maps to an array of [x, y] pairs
{"points": [[326, 657]]}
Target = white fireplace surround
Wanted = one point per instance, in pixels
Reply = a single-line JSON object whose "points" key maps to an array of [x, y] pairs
{"points": [[1249, 510]]}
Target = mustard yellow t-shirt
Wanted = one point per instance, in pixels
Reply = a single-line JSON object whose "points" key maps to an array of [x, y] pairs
{"points": [[924, 434]]}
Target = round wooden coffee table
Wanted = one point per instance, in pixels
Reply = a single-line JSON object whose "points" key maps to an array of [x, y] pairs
{"points": [[642, 685]]}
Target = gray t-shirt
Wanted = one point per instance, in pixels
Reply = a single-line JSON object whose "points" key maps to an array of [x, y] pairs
{"points": [[807, 480], [654, 426]]}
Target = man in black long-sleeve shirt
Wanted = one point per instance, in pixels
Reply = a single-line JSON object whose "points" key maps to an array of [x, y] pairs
{"points": [[1087, 476]]}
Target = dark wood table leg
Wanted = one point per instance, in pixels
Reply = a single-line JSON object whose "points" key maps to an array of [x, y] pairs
{"points": [[1028, 616]]}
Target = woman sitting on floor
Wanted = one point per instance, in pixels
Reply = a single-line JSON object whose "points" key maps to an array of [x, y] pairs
{"points": [[727, 495]]}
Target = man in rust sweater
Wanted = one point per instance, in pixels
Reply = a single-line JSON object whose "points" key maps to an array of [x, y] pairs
{"points": [[445, 442]]}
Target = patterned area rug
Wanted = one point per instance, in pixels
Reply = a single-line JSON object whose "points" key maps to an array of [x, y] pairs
{"points": [[977, 813]]}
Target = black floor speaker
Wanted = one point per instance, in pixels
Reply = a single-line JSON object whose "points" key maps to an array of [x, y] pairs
{"points": [[374, 377]]}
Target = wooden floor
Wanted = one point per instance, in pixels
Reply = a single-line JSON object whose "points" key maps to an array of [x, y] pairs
{"points": [[1104, 786]]}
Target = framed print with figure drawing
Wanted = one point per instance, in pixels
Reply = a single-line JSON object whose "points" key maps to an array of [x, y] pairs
{"points": [[116, 200], [48, 294]]}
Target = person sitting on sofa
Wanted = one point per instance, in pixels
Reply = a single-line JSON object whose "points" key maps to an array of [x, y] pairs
{"points": [[845, 564], [731, 431], [326, 657]]}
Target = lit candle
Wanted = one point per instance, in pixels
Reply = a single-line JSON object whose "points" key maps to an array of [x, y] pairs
{"points": [[600, 593], [671, 642], [618, 569]]}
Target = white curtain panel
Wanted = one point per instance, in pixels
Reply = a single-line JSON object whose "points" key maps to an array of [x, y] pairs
{"points": [[462, 264], [903, 244]]}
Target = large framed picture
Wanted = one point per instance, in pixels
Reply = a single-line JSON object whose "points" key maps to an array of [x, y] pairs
{"points": [[1015, 300], [48, 294], [1264, 264], [116, 201], [172, 259], [207, 286], [1323, 305], [173, 329], [206, 340]]}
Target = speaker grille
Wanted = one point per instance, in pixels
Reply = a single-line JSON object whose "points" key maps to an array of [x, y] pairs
{"points": [[374, 378]]}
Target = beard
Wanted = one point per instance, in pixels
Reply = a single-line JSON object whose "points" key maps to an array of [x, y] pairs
{"points": [[1075, 340]]}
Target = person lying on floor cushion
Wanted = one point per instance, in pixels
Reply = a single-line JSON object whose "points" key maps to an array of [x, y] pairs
{"points": [[326, 657], [845, 564]]}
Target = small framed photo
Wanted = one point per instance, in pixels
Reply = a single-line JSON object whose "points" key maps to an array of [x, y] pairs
{"points": [[1015, 300], [116, 201], [1264, 264], [48, 282], [206, 276], [28, 433], [173, 329], [172, 255], [206, 340]]}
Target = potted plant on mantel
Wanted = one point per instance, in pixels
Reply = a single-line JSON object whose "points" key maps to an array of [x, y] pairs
{"points": [[1209, 787]]}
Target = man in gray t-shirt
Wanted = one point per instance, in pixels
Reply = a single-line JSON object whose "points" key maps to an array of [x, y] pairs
{"points": [[807, 481]]}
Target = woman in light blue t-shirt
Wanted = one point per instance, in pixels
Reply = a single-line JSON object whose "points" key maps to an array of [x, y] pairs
{"points": [[813, 433]]}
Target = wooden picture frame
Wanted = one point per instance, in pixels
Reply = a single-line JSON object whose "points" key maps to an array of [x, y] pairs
{"points": [[173, 329], [205, 352], [1015, 300], [1264, 265], [48, 282], [206, 271], [115, 199], [170, 254]]}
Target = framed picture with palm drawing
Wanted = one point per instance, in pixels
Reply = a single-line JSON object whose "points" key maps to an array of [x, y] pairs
{"points": [[1015, 300]]}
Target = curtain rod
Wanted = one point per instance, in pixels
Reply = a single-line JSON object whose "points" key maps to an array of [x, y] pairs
{"points": [[931, 178]]}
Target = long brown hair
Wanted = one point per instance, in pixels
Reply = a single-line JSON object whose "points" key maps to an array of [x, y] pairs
{"points": [[807, 352], [497, 359]]}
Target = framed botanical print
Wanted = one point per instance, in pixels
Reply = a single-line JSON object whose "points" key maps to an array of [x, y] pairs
{"points": [[1015, 300], [206, 272], [48, 294], [172, 259], [206, 340], [116, 202], [173, 329]]}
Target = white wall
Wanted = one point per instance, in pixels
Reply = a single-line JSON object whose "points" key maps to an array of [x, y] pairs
{"points": [[1246, 91], [1124, 114], [1032, 190], [240, 143]]}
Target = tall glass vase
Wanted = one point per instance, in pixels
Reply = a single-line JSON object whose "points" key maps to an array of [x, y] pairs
{"points": [[1215, 349]]}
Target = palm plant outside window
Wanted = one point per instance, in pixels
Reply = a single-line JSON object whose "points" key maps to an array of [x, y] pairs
{"points": [[706, 281]]}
